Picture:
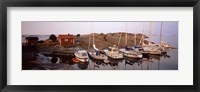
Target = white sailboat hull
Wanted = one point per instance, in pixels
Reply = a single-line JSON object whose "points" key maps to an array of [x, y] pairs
{"points": [[98, 57], [155, 52], [131, 54], [152, 50]]}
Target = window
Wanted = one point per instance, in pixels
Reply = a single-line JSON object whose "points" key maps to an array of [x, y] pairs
{"points": [[66, 40]]}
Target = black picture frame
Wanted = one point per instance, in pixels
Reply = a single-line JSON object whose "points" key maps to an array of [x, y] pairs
{"points": [[100, 3]]}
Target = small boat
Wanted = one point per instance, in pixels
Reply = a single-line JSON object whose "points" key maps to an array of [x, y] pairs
{"points": [[131, 53], [167, 46], [82, 55], [152, 50], [113, 53]]}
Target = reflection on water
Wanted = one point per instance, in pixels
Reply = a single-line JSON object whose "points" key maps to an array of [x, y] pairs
{"points": [[167, 61]]}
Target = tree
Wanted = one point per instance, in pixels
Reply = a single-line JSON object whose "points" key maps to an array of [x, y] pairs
{"points": [[78, 35], [53, 37]]}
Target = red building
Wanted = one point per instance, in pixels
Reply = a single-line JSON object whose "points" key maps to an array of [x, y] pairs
{"points": [[66, 39]]}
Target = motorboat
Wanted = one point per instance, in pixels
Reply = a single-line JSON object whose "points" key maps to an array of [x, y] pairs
{"points": [[82, 55], [113, 53]]}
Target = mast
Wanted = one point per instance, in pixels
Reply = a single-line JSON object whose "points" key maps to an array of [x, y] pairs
{"points": [[89, 41], [93, 32], [161, 33], [126, 33], [142, 37], [134, 37], [94, 46], [119, 39], [149, 33], [143, 34], [90, 37]]}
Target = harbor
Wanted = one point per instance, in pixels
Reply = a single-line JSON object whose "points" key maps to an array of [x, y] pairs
{"points": [[123, 50]]}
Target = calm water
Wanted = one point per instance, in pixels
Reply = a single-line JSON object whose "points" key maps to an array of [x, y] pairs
{"points": [[152, 62], [167, 61]]}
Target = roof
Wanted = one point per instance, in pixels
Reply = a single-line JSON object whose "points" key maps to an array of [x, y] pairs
{"points": [[65, 36]]}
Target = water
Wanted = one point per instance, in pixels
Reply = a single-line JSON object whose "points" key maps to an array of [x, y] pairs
{"points": [[152, 62], [167, 61], [170, 39]]}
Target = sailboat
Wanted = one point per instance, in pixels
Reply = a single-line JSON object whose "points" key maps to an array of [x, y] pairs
{"points": [[113, 52], [143, 45], [151, 48], [96, 53], [130, 52], [164, 47]]}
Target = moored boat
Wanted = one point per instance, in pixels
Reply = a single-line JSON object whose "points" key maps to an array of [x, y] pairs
{"points": [[113, 53], [131, 53], [152, 50], [82, 55], [96, 53]]}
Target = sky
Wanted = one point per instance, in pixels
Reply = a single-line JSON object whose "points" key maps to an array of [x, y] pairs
{"points": [[64, 27]]}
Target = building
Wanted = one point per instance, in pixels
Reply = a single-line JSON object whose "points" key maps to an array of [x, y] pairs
{"points": [[66, 39], [31, 40]]}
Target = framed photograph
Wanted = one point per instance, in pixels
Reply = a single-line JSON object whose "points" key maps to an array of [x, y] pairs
{"points": [[105, 45]]}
